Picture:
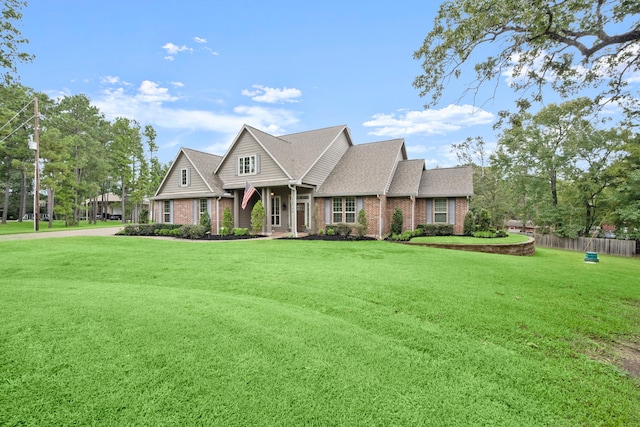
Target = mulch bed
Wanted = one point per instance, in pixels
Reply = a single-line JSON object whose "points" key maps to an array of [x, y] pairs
{"points": [[334, 238]]}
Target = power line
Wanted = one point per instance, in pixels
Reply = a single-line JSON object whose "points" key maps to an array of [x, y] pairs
{"points": [[16, 115], [17, 129]]}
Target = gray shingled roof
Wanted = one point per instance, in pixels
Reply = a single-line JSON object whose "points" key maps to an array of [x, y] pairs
{"points": [[309, 146], [297, 152], [447, 182], [205, 164], [364, 169], [406, 180]]}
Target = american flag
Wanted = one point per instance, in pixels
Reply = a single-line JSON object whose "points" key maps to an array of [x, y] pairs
{"points": [[248, 192]]}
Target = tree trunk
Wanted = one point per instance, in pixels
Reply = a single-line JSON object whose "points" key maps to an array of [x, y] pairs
{"points": [[7, 191], [50, 195], [23, 196], [588, 223], [554, 189], [123, 204]]}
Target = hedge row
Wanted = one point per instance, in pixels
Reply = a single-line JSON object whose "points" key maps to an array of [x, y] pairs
{"points": [[187, 231]]}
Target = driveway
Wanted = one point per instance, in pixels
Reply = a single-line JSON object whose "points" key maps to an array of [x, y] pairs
{"points": [[111, 231]]}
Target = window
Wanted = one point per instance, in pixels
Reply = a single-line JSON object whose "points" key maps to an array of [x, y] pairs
{"points": [[440, 210], [275, 211], [203, 207], [247, 165], [350, 209], [337, 209], [344, 209], [184, 177], [167, 211]]}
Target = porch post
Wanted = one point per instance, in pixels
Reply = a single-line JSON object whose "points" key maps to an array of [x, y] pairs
{"points": [[267, 209], [293, 210], [236, 207]]}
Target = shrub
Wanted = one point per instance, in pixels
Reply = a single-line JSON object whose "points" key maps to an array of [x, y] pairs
{"points": [[227, 221], [240, 231], [436, 229], [402, 237], [330, 231], [257, 217], [484, 222], [321, 232], [469, 225], [360, 229], [340, 229], [148, 229], [502, 233], [396, 221], [484, 234], [362, 220], [143, 218], [205, 221], [191, 231]]}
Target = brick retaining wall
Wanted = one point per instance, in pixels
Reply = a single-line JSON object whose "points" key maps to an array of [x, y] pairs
{"points": [[527, 248]]}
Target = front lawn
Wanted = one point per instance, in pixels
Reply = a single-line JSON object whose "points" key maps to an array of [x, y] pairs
{"points": [[131, 331]]}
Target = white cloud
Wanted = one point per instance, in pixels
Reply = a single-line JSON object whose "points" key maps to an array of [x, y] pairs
{"points": [[177, 84], [603, 67], [271, 95], [110, 79], [213, 52], [428, 122], [199, 40], [151, 104], [173, 50]]}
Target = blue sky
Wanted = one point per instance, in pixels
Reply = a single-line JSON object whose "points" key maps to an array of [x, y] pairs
{"points": [[198, 70]]}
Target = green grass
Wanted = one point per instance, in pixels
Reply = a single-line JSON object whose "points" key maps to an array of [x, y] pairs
{"points": [[123, 331], [15, 227], [468, 240]]}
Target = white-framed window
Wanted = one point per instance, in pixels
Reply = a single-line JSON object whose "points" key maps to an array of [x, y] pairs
{"points": [[184, 177], [344, 209], [275, 210], [350, 210], [167, 211], [440, 210], [337, 210], [203, 207], [247, 165]]}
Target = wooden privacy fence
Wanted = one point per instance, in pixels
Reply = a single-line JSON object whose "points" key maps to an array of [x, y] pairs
{"points": [[584, 244]]}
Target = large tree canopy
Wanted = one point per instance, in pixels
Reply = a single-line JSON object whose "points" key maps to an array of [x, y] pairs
{"points": [[568, 44], [11, 39]]}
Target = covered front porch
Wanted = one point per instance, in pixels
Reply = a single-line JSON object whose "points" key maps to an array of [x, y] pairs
{"points": [[288, 208]]}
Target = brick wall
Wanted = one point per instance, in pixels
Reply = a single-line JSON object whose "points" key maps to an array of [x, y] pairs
{"points": [[223, 204], [371, 209], [371, 206], [404, 203], [183, 211], [462, 206]]}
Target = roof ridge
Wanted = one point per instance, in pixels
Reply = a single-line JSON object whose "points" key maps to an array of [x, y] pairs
{"points": [[200, 151], [312, 130]]}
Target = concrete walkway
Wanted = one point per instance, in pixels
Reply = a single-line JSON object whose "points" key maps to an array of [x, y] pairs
{"points": [[110, 231]]}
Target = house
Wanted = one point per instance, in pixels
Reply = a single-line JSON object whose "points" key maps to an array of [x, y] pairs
{"points": [[515, 226], [311, 179], [109, 205]]}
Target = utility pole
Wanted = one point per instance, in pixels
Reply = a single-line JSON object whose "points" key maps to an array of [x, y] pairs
{"points": [[36, 195]]}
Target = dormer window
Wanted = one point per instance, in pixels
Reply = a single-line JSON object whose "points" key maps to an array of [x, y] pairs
{"points": [[247, 165], [184, 177]]}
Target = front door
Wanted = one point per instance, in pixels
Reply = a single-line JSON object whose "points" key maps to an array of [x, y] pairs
{"points": [[300, 217]]}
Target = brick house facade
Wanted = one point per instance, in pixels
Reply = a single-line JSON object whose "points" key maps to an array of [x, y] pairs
{"points": [[309, 180]]}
